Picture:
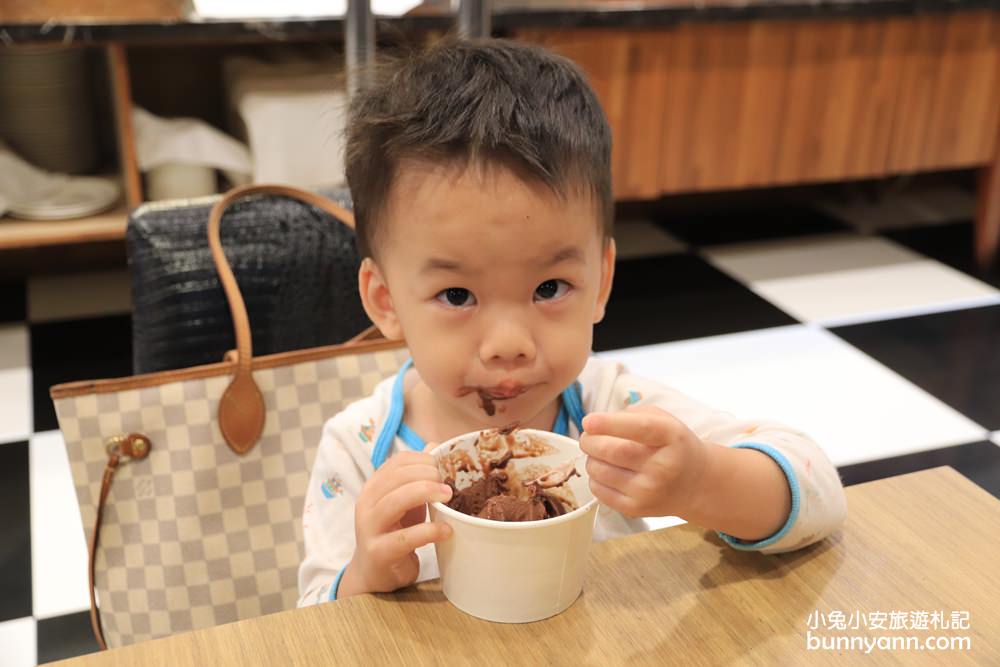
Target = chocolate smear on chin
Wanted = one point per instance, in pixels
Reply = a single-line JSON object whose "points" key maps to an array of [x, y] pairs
{"points": [[487, 403]]}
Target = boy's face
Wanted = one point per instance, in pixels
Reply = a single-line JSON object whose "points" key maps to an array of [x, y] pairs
{"points": [[494, 282]]}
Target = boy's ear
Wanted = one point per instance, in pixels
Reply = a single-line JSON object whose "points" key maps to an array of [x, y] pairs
{"points": [[607, 277], [377, 301]]}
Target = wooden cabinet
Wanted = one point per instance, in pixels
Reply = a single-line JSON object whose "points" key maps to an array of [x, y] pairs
{"points": [[949, 94], [719, 106]]}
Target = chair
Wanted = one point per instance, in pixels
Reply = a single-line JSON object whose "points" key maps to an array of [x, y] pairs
{"points": [[296, 266]]}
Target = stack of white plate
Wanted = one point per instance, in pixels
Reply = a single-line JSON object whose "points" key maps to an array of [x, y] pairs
{"points": [[46, 114], [35, 194], [75, 198]]}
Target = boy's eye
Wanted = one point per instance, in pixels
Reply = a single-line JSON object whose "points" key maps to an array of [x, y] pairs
{"points": [[456, 297], [551, 289]]}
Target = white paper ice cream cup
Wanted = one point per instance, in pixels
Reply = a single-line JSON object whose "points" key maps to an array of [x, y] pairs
{"points": [[517, 572]]}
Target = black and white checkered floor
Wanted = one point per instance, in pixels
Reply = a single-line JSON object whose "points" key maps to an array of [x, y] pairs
{"points": [[865, 326]]}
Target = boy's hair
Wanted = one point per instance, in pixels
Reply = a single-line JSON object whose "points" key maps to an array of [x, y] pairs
{"points": [[484, 103]]}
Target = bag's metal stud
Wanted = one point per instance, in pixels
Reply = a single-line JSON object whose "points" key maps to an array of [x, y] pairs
{"points": [[113, 444]]}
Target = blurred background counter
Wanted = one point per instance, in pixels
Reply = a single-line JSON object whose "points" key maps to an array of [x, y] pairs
{"points": [[702, 97]]}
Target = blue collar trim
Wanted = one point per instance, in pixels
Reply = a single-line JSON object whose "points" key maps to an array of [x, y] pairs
{"points": [[392, 420], [571, 408]]}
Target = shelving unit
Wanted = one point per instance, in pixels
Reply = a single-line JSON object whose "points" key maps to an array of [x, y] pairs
{"points": [[108, 226]]}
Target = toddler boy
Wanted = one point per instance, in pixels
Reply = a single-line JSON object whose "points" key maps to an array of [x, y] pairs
{"points": [[480, 172]]}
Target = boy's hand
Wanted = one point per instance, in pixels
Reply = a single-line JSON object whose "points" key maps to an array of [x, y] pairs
{"points": [[389, 524], [644, 461]]}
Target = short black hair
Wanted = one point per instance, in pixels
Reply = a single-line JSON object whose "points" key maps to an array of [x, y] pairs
{"points": [[482, 101]]}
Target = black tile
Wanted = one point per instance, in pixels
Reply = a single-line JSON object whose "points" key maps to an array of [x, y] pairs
{"points": [[952, 355], [13, 301], [674, 297], [15, 532], [755, 224], [951, 244], [86, 349], [979, 461], [65, 637]]}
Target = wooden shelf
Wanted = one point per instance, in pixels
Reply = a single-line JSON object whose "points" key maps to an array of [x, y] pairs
{"points": [[107, 226]]}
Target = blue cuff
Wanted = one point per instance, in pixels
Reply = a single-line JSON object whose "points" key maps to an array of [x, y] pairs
{"points": [[793, 486], [336, 584]]}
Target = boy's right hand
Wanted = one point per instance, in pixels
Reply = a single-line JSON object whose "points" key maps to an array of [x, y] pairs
{"points": [[389, 524]]}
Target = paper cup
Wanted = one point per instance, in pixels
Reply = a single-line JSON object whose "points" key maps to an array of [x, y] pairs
{"points": [[517, 572]]}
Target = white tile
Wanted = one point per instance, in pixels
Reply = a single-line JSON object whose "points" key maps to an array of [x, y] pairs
{"points": [[58, 548], [15, 383], [18, 644], [996, 437], [79, 295], [836, 279], [807, 378], [643, 238], [658, 522]]}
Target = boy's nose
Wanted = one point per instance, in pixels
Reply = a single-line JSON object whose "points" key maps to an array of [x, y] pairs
{"points": [[506, 341]]}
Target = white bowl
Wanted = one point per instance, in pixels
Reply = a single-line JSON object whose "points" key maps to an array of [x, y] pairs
{"points": [[517, 572]]}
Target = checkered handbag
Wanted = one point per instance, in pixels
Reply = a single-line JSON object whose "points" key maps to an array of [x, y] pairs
{"points": [[191, 482]]}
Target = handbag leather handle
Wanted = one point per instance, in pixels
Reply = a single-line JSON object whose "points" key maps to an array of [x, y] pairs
{"points": [[241, 408], [121, 449]]}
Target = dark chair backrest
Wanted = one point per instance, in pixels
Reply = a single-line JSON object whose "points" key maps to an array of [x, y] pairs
{"points": [[296, 265]]}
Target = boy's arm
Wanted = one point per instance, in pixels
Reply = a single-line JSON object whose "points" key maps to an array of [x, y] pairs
{"points": [[748, 495], [768, 487], [763, 494], [328, 518], [762, 462]]}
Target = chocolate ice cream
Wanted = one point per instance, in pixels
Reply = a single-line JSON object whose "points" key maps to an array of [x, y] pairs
{"points": [[508, 508], [472, 499], [503, 507], [501, 494]]}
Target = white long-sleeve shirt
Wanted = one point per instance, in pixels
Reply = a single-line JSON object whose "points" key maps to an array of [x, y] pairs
{"points": [[344, 462]]}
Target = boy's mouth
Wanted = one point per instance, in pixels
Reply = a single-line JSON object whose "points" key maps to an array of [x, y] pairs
{"points": [[504, 391]]}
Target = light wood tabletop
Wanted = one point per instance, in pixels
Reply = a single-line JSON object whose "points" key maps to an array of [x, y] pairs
{"points": [[923, 542]]}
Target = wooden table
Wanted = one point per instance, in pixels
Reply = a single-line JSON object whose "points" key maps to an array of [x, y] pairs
{"points": [[927, 541]]}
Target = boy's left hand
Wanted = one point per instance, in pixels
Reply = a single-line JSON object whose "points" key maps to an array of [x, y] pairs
{"points": [[643, 461]]}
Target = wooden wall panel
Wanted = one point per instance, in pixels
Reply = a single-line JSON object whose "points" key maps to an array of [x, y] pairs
{"points": [[761, 109], [636, 157], [948, 113], [681, 87], [623, 74], [725, 102], [965, 104], [839, 102], [876, 55], [705, 82], [919, 62]]}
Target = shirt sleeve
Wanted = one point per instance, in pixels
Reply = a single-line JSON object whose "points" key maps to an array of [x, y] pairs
{"points": [[818, 504], [328, 517]]}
